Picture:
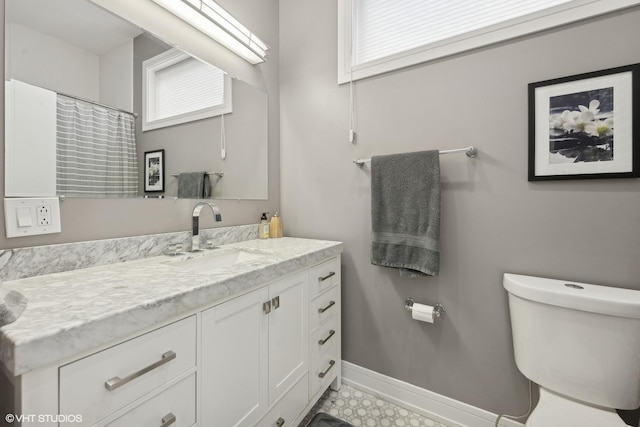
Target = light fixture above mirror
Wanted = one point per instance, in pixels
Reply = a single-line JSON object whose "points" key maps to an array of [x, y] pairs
{"points": [[208, 17]]}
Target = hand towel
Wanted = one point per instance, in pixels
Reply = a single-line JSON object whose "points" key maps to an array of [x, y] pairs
{"points": [[193, 185], [405, 212], [12, 304]]}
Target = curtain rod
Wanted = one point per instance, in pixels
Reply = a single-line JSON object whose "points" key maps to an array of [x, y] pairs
{"points": [[469, 151], [97, 103]]}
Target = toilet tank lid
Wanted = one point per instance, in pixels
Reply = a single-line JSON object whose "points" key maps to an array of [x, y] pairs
{"points": [[579, 296]]}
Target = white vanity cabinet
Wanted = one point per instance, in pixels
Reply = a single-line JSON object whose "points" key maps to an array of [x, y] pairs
{"points": [[254, 349], [261, 358]]}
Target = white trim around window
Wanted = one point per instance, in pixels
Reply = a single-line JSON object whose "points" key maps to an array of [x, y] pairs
{"points": [[197, 85], [566, 13]]}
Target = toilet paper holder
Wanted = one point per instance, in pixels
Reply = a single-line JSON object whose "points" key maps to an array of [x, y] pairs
{"points": [[438, 309]]}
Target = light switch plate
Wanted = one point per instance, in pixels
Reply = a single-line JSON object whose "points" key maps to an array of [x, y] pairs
{"points": [[24, 216], [41, 221]]}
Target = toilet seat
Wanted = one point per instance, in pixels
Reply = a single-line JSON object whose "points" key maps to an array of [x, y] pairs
{"points": [[555, 410]]}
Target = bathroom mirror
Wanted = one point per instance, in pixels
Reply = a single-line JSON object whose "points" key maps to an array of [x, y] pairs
{"points": [[75, 48]]}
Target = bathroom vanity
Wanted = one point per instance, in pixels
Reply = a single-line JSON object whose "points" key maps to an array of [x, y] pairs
{"points": [[244, 334]]}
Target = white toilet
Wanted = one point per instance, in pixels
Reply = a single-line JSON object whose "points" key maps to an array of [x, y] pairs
{"points": [[581, 344]]}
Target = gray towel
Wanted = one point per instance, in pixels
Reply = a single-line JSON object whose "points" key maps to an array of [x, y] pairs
{"points": [[193, 185], [405, 212], [12, 304]]}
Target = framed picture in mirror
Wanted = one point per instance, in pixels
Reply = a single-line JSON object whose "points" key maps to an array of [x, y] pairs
{"points": [[154, 171]]}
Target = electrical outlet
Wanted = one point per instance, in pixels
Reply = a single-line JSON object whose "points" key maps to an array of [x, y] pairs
{"points": [[29, 216], [43, 212]]}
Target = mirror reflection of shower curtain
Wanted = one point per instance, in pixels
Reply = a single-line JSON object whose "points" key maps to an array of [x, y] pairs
{"points": [[95, 150]]}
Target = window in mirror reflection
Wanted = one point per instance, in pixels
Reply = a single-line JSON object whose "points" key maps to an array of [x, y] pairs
{"points": [[179, 88]]}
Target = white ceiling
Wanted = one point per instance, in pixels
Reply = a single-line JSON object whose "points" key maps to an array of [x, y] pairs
{"points": [[77, 22]]}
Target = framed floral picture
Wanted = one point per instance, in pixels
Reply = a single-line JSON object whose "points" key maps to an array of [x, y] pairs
{"points": [[585, 126], [154, 171]]}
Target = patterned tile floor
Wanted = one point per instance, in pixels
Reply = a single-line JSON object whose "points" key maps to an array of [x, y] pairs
{"points": [[365, 410]]}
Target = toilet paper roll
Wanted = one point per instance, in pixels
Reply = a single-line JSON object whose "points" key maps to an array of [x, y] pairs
{"points": [[423, 313]]}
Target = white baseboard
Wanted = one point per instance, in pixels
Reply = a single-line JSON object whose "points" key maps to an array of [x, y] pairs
{"points": [[424, 402]]}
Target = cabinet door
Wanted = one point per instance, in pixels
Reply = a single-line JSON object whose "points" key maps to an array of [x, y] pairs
{"points": [[235, 361], [288, 359]]}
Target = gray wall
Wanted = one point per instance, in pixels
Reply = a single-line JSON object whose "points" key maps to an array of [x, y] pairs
{"points": [[493, 220], [89, 219]]}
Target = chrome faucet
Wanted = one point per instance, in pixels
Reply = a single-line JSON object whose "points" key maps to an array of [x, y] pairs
{"points": [[195, 232]]}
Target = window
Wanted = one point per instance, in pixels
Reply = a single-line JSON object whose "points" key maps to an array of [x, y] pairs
{"points": [[377, 36], [178, 88]]}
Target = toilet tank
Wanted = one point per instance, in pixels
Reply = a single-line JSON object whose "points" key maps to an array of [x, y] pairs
{"points": [[577, 339]]}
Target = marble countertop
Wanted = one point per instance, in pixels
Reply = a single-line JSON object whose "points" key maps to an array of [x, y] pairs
{"points": [[75, 311]]}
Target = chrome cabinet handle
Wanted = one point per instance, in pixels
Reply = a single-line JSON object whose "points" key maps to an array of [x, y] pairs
{"points": [[322, 279], [324, 374], [275, 303], [331, 333], [168, 419], [322, 310], [266, 307], [280, 422], [115, 382]]}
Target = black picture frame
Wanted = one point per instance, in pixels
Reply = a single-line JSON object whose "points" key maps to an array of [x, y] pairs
{"points": [[154, 171], [572, 126]]}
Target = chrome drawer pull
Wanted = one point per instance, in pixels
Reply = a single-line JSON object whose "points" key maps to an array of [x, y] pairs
{"points": [[322, 279], [323, 374], [115, 382], [275, 303], [280, 422], [266, 307], [168, 419], [331, 333], [322, 310]]}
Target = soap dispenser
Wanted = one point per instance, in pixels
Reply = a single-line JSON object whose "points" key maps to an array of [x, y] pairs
{"points": [[275, 228], [263, 231]]}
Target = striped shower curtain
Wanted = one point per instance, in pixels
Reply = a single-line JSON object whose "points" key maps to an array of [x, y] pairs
{"points": [[95, 150]]}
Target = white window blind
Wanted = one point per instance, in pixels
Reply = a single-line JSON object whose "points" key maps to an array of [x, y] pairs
{"points": [[179, 88], [187, 86], [376, 36], [388, 27]]}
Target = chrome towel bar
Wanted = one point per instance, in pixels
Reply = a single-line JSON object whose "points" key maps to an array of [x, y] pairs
{"points": [[469, 151], [220, 174]]}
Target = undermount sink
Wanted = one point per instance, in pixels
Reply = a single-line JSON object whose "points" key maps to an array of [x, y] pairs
{"points": [[211, 262]]}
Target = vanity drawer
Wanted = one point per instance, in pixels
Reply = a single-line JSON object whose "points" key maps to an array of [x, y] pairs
{"points": [[323, 307], [130, 369], [324, 340], [323, 276], [323, 350], [289, 407], [177, 403]]}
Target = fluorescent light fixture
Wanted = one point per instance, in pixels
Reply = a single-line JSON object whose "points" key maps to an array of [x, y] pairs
{"points": [[208, 17]]}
